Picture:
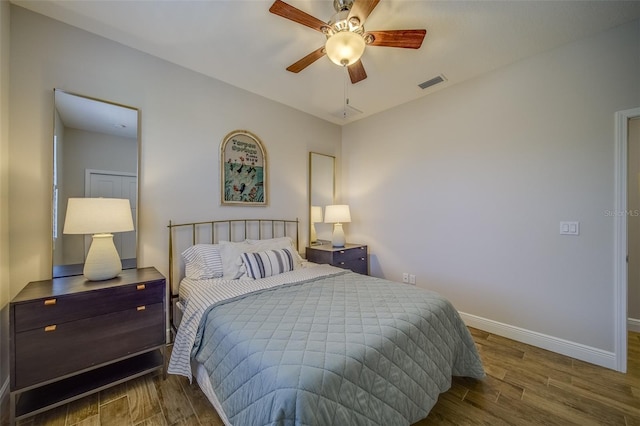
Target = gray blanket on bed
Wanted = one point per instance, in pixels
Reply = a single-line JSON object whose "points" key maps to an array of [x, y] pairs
{"points": [[342, 350]]}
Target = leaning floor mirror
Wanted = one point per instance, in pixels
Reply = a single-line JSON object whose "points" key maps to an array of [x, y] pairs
{"points": [[96, 146], [321, 194]]}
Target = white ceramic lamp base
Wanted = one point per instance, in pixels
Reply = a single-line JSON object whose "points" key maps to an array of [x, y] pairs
{"points": [[103, 261], [338, 239]]}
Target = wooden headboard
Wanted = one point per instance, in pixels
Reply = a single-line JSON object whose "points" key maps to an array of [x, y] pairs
{"points": [[183, 235]]}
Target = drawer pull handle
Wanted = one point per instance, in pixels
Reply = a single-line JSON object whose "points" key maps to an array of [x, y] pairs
{"points": [[49, 302], [141, 308], [50, 328], [140, 287], [342, 263], [341, 251], [362, 258]]}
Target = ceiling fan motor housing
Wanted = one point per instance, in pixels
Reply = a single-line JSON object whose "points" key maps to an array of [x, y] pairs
{"points": [[340, 5], [341, 22]]}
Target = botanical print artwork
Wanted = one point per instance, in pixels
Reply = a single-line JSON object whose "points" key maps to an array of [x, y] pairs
{"points": [[243, 169]]}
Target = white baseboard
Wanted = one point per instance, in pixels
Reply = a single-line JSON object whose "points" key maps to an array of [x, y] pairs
{"points": [[633, 325], [554, 344]]}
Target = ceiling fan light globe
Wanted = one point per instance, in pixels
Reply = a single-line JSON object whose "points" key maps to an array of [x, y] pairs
{"points": [[345, 48]]}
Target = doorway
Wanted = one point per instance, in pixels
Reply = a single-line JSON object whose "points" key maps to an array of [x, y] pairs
{"points": [[633, 224], [620, 267]]}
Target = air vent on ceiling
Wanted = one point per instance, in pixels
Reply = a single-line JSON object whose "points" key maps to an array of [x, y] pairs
{"points": [[432, 82]]}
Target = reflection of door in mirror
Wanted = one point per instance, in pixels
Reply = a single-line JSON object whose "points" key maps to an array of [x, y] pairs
{"points": [[96, 146], [321, 194]]}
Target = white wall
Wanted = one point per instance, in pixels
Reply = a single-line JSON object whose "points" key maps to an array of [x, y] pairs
{"points": [[91, 150], [476, 178], [4, 196], [184, 117]]}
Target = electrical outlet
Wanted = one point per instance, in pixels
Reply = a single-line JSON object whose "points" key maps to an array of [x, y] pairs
{"points": [[412, 279], [405, 277]]}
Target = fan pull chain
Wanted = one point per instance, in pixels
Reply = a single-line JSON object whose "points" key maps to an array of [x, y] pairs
{"points": [[346, 93]]}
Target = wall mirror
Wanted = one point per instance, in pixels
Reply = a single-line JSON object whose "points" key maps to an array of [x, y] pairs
{"points": [[321, 194], [96, 147]]}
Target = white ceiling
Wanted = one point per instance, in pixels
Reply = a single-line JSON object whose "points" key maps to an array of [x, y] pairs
{"points": [[78, 112], [240, 42]]}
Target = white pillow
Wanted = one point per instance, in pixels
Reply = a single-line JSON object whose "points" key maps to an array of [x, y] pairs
{"points": [[203, 261], [232, 267], [267, 263], [272, 242], [277, 244]]}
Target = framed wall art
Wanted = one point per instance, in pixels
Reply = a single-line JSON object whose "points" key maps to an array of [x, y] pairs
{"points": [[243, 168]]}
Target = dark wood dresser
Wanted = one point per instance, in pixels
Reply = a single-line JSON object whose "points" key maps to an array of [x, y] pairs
{"points": [[351, 256], [71, 337]]}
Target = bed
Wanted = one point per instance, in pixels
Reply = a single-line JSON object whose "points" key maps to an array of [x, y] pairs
{"points": [[274, 340]]}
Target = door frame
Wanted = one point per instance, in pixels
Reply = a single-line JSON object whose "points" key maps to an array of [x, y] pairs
{"points": [[620, 236]]}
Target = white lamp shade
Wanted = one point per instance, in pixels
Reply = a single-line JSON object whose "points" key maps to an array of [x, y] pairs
{"points": [[345, 48], [98, 216], [338, 213], [316, 214]]}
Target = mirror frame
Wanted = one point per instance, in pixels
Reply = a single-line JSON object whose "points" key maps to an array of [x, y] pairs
{"points": [[318, 164], [76, 269]]}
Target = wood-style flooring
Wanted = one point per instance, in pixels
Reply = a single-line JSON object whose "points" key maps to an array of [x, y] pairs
{"points": [[524, 386]]}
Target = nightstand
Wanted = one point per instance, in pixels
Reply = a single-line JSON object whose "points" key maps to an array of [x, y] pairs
{"points": [[351, 256], [71, 337]]}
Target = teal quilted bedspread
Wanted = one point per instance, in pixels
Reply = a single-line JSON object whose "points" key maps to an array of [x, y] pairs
{"points": [[346, 349]]}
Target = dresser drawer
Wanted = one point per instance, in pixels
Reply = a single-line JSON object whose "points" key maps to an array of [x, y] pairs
{"points": [[358, 266], [344, 255], [46, 353], [40, 313]]}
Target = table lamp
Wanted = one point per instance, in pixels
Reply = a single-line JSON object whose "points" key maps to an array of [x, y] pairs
{"points": [[100, 217], [337, 214]]}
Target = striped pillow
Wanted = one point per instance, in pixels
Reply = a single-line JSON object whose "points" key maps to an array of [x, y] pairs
{"points": [[267, 263], [203, 261]]}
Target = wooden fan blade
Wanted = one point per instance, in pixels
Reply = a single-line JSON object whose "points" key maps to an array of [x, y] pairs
{"points": [[362, 8], [409, 39], [357, 72], [296, 15], [307, 60]]}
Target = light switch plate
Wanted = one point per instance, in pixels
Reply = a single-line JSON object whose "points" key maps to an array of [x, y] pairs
{"points": [[569, 228]]}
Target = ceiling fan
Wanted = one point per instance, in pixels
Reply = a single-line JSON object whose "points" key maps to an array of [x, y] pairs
{"points": [[346, 36]]}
